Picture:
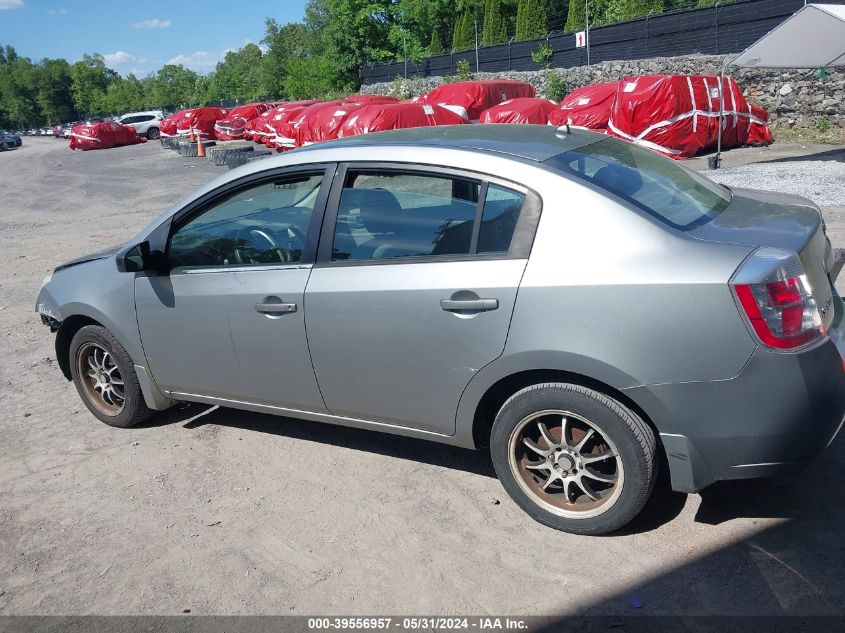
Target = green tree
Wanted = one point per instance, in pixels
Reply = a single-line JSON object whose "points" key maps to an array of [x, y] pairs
{"points": [[173, 86], [53, 90], [90, 80], [575, 17], [495, 27], [239, 75], [435, 46], [291, 41], [464, 35], [18, 106], [612, 11], [532, 19], [422, 17], [351, 33], [310, 78], [124, 95], [519, 29]]}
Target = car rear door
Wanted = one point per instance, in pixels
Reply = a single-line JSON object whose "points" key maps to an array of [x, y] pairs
{"points": [[413, 290], [227, 321]]}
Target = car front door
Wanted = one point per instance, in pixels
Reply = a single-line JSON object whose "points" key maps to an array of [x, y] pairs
{"points": [[414, 289], [227, 322]]}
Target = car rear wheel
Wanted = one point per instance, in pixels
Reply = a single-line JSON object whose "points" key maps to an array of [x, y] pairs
{"points": [[105, 378], [573, 458], [152, 133]]}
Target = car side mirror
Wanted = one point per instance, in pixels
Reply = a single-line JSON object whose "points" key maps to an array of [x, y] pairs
{"points": [[140, 258]]}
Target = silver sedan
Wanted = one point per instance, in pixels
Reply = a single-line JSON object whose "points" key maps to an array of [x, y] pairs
{"points": [[584, 307]]}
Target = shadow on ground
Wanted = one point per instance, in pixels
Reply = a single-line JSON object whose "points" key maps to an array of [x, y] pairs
{"points": [[195, 415], [834, 154], [794, 568], [663, 506]]}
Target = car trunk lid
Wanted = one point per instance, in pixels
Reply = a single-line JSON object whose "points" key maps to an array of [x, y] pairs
{"points": [[759, 218]]}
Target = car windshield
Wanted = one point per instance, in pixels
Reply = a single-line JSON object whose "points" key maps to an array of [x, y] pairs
{"points": [[658, 185]]}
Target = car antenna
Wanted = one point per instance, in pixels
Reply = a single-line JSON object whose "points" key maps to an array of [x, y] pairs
{"points": [[563, 130]]}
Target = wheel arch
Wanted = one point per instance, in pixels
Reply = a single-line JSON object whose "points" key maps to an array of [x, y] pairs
{"points": [[67, 330], [491, 387]]}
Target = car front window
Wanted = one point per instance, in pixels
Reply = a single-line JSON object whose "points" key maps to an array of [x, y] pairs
{"points": [[658, 185], [263, 225]]}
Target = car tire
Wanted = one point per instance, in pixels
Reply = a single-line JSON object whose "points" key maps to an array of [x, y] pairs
{"points": [[152, 133], [105, 378], [594, 481]]}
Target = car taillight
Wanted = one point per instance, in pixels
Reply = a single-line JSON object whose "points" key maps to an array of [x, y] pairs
{"points": [[772, 289]]}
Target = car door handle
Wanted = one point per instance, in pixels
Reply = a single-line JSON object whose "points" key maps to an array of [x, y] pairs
{"points": [[275, 308], [469, 305]]}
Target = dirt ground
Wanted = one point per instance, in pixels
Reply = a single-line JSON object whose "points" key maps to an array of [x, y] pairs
{"points": [[225, 512]]}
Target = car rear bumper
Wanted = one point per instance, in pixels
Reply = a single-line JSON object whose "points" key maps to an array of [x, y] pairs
{"points": [[773, 418]]}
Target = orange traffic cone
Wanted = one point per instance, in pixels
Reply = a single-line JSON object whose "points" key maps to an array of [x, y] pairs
{"points": [[191, 137], [200, 148]]}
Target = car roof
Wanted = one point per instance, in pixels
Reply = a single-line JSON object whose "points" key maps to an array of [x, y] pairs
{"points": [[530, 142], [123, 116]]}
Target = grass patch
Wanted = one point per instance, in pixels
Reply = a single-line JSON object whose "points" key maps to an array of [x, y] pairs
{"points": [[821, 134]]}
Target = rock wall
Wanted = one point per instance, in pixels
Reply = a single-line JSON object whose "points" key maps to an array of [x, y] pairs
{"points": [[794, 98]]}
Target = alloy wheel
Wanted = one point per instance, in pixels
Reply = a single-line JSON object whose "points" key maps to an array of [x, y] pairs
{"points": [[101, 379], [566, 464]]}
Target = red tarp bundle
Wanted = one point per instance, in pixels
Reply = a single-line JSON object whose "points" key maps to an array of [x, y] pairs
{"points": [[395, 116], [200, 120], [232, 127], [323, 123], [286, 130], [103, 136], [167, 127], [260, 129], [678, 115], [524, 110], [471, 98], [370, 99], [587, 107], [759, 132]]}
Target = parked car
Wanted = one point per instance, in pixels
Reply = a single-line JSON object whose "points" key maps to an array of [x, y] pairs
{"points": [[582, 305], [9, 140], [145, 123]]}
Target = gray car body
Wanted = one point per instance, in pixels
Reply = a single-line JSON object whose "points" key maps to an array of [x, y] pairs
{"points": [[10, 140], [609, 297]]}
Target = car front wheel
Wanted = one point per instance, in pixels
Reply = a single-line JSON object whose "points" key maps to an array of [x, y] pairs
{"points": [[105, 378], [152, 133], [573, 458]]}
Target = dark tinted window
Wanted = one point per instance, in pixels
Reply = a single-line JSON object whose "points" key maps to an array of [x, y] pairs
{"points": [[263, 225], [498, 221], [658, 185], [385, 215]]}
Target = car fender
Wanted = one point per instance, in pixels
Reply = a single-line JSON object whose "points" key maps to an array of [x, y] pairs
{"points": [[529, 360]]}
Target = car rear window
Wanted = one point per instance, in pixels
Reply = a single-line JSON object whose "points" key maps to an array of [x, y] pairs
{"points": [[658, 185]]}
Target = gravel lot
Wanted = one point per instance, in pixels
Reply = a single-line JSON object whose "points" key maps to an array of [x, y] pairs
{"points": [[820, 180], [228, 512]]}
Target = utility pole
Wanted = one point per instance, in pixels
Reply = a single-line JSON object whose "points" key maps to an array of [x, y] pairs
{"points": [[475, 21], [587, 27], [405, 47]]}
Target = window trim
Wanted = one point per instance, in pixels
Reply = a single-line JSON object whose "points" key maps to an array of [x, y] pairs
{"points": [[521, 242], [205, 202]]}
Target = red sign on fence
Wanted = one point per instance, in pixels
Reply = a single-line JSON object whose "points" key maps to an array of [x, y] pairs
{"points": [[580, 39]]}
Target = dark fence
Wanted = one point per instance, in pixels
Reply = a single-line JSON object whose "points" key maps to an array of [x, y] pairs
{"points": [[717, 30]]}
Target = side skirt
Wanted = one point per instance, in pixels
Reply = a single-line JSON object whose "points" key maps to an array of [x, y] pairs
{"points": [[382, 427]]}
